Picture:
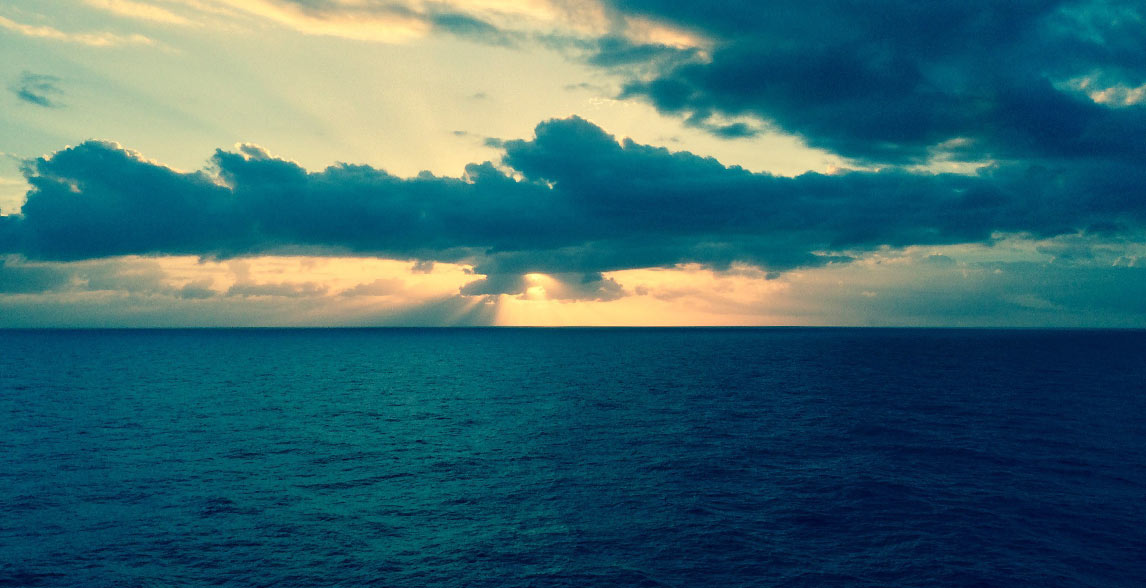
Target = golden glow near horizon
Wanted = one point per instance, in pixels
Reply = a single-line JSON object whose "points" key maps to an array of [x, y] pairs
{"points": [[885, 287], [683, 295]]}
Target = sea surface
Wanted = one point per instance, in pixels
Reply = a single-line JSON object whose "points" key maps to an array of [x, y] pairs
{"points": [[573, 457]]}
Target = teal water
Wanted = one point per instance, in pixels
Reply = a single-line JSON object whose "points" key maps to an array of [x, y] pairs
{"points": [[572, 457]]}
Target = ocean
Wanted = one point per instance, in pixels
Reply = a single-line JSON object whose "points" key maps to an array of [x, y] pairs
{"points": [[573, 457]]}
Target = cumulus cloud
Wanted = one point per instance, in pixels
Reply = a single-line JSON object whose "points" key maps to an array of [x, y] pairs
{"points": [[889, 82], [571, 202]]}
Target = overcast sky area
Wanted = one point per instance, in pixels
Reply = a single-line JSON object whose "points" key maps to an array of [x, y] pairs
{"points": [[562, 162]]}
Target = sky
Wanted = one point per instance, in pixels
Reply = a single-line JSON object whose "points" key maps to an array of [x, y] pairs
{"points": [[572, 162]]}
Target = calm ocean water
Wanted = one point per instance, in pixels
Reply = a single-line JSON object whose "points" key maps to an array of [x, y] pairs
{"points": [[573, 457]]}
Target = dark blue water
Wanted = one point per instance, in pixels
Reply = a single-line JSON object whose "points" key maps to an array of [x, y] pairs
{"points": [[538, 457]]}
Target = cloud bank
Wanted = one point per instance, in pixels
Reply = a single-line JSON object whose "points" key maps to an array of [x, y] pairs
{"points": [[571, 202]]}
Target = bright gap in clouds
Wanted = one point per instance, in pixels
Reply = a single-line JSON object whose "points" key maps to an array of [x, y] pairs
{"points": [[1014, 283]]}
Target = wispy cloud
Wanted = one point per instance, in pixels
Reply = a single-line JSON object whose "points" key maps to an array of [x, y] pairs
{"points": [[96, 39], [399, 20], [377, 22], [496, 22], [38, 89], [139, 10]]}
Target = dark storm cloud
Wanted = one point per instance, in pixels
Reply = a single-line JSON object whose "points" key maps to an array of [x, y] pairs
{"points": [[39, 89], [887, 81], [582, 204]]}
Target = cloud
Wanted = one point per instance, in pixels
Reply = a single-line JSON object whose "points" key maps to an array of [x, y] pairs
{"points": [[939, 260], [384, 22], [572, 202], [379, 287], [140, 277], [283, 289], [18, 278], [903, 84], [121, 275], [494, 22], [38, 89], [197, 290], [550, 286], [589, 286], [981, 294], [890, 84], [101, 39], [139, 10], [617, 51], [472, 29], [587, 29], [496, 284], [737, 130], [173, 291]]}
